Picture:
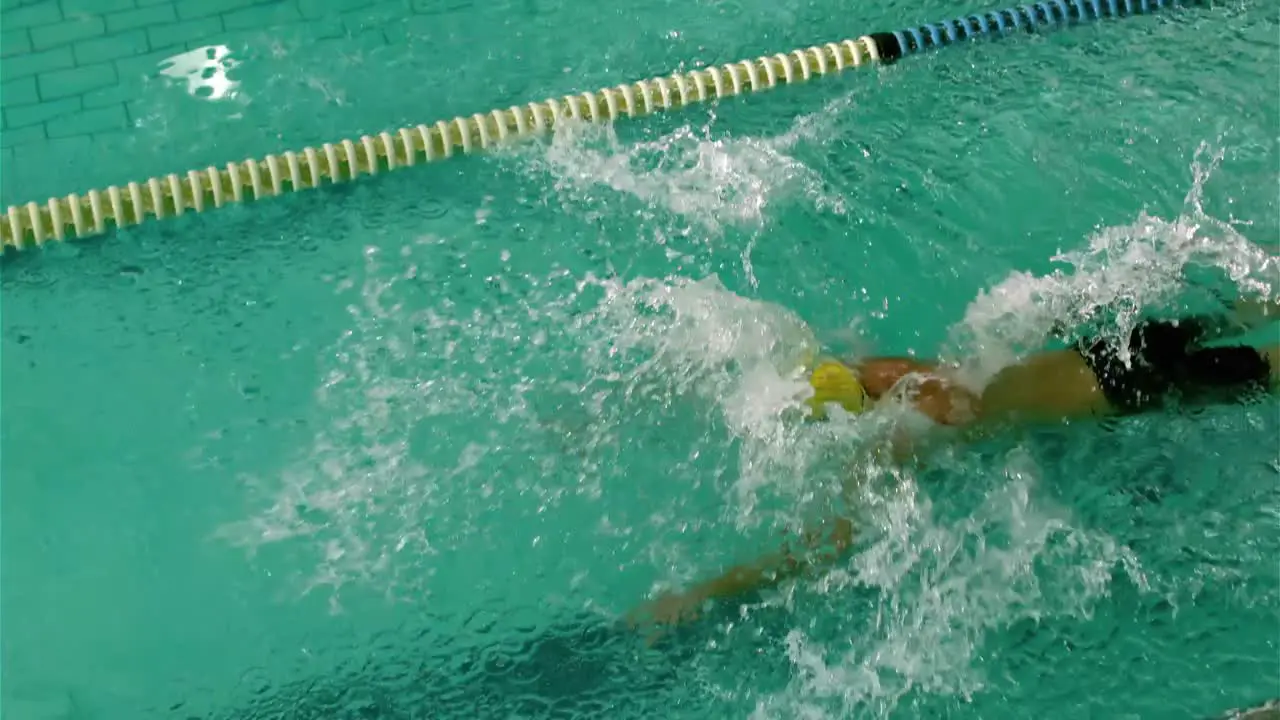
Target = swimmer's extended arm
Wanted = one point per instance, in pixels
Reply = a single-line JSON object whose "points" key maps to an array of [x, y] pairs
{"points": [[819, 549]]}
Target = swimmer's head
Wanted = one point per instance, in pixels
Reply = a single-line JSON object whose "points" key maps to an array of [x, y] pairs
{"points": [[835, 382]]}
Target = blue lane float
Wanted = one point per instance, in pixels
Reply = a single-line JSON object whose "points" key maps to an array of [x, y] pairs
{"points": [[1020, 18]]}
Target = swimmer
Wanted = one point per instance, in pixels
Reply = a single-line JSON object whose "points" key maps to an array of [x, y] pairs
{"points": [[1169, 360]]}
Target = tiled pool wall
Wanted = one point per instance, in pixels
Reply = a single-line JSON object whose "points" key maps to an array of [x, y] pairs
{"points": [[86, 102], [73, 74]]}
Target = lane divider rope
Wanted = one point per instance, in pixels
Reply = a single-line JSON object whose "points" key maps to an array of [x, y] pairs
{"points": [[95, 212]]}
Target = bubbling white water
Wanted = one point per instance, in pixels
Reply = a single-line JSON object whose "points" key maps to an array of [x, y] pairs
{"points": [[571, 391], [941, 585], [742, 356], [690, 172], [1123, 271]]}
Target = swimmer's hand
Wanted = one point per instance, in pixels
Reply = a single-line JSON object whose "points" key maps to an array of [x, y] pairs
{"points": [[820, 547]]}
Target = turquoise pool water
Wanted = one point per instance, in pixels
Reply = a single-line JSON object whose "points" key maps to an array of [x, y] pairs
{"points": [[404, 449]]}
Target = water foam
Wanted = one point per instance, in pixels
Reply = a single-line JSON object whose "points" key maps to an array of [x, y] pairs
{"points": [[589, 368], [741, 356], [708, 178], [940, 586], [359, 468], [625, 356], [1123, 271], [943, 585]]}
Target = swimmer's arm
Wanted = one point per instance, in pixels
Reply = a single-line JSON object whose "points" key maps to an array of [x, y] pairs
{"points": [[819, 549], [956, 417]]}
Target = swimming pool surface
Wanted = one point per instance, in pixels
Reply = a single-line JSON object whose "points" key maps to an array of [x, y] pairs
{"points": [[408, 447]]}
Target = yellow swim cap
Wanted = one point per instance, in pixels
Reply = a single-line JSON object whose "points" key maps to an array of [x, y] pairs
{"points": [[835, 382]]}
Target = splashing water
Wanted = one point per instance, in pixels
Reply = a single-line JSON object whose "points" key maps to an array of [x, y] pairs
{"points": [[941, 586], [602, 367], [741, 356], [590, 387], [1122, 272], [691, 173]]}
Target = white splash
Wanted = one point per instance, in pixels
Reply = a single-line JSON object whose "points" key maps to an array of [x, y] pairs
{"points": [[709, 180], [365, 498], [941, 586], [944, 585], [740, 356], [1123, 271]]}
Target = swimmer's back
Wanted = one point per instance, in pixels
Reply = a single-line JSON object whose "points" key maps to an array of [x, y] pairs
{"points": [[1165, 361], [1048, 386]]}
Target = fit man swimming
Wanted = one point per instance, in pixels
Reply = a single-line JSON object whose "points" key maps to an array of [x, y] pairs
{"points": [[1169, 361]]}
